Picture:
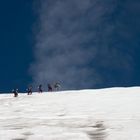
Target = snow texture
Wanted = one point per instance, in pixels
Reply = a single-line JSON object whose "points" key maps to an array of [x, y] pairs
{"points": [[105, 114]]}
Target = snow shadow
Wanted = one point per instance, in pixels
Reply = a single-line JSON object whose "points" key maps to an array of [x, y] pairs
{"points": [[25, 135], [98, 133], [92, 128], [95, 130], [19, 139]]}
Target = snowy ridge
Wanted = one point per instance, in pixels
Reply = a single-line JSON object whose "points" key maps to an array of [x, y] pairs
{"points": [[103, 114]]}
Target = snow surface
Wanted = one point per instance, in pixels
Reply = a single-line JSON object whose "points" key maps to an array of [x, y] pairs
{"points": [[105, 114]]}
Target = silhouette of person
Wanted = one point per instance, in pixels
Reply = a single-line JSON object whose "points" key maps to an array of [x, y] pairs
{"points": [[57, 86], [15, 91], [40, 89], [29, 90], [49, 87]]}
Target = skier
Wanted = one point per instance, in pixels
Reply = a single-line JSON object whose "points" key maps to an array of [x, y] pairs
{"points": [[29, 90], [57, 86], [40, 89], [15, 91], [49, 87]]}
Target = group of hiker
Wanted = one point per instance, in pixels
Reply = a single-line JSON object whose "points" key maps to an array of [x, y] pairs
{"points": [[51, 87]]}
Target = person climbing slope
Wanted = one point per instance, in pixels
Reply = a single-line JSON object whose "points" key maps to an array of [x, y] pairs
{"points": [[40, 89], [57, 86], [49, 87], [29, 90], [15, 91]]}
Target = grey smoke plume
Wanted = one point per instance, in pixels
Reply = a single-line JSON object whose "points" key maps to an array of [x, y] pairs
{"points": [[76, 44]]}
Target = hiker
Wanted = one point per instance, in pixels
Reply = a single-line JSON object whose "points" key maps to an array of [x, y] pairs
{"points": [[29, 90], [57, 86], [40, 89], [49, 87], [15, 91]]}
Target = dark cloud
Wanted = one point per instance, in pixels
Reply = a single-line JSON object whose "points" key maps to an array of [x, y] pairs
{"points": [[83, 43]]}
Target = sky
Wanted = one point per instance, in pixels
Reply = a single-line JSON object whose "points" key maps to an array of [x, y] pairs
{"points": [[79, 43], [16, 43]]}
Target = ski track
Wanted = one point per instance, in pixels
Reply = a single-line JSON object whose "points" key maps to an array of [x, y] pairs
{"points": [[71, 115]]}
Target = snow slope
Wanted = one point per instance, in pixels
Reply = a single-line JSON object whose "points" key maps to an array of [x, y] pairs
{"points": [[105, 114]]}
